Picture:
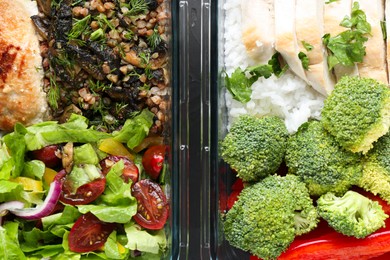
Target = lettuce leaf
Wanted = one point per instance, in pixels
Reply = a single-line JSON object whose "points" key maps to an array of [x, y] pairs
{"points": [[135, 129], [145, 241], [9, 243]]}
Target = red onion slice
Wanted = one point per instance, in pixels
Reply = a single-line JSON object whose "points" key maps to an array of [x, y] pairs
{"points": [[42, 210], [10, 205]]}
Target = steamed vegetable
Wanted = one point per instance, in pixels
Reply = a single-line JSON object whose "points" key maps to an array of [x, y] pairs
{"points": [[269, 214], [376, 170], [352, 214], [357, 112], [316, 157], [255, 147]]}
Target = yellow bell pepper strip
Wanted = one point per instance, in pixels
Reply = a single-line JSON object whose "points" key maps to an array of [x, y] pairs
{"points": [[29, 184], [114, 147]]}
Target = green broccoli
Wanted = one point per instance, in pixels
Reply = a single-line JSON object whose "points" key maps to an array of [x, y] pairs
{"points": [[269, 214], [255, 147], [376, 169], [352, 215], [315, 156], [357, 112]]}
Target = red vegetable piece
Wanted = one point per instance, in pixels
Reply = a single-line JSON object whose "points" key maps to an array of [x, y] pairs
{"points": [[232, 198], [325, 243], [153, 160], [238, 185], [89, 233], [130, 171], [153, 208], [48, 156], [85, 193]]}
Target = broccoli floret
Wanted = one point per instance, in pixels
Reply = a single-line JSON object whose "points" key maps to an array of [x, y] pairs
{"points": [[315, 156], [357, 112], [376, 169], [352, 215], [255, 147], [269, 214]]}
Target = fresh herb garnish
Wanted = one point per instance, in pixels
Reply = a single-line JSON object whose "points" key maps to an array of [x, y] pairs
{"points": [[135, 7], [104, 22], [97, 35], [154, 39], [240, 82], [304, 60], [307, 46], [79, 27], [53, 94], [145, 61], [330, 1], [348, 47], [384, 31]]}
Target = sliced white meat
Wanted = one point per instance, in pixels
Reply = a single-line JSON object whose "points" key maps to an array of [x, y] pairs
{"points": [[258, 29], [374, 62], [309, 29], [285, 38], [334, 13], [387, 15]]}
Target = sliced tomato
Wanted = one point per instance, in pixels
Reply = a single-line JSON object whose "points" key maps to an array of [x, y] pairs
{"points": [[85, 193], [130, 171], [153, 208], [89, 233], [153, 160], [48, 155]]}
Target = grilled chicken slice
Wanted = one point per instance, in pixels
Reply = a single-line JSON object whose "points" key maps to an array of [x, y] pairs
{"points": [[21, 96], [334, 13], [258, 29], [374, 62], [310, 29], [285, 38]]}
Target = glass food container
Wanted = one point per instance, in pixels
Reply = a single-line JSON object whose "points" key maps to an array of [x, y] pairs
{"points": [[222, 51], [93, 34]]}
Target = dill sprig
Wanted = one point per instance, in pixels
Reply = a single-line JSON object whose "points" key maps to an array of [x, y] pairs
{"points": [[53, 94], [104, 22], [154, 39], [80, 26], [136, 7], [98, 86], [145, 60]]}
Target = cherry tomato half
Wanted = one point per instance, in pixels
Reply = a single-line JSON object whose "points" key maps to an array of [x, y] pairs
{"points": [[153, 160], [89, 233], [85, 193], [130, 170], [153, 209], [48, 156]]}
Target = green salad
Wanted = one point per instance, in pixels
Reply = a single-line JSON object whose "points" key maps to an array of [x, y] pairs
{"points": [[68, 191]]}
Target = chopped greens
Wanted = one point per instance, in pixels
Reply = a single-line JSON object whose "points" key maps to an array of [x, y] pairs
{"points": [[384, 31], [135, 7], [307, 46], [154, 39], [79, 27], [240, 82], [348, 47], [304, 59], [330, 1]]}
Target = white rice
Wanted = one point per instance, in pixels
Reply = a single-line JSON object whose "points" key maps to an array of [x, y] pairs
{"points": [[288, 97]]}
